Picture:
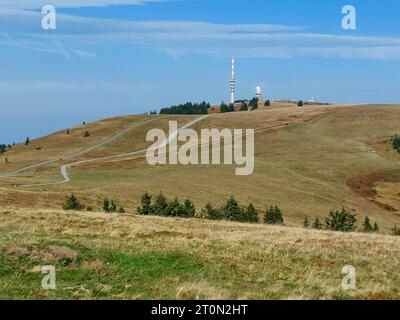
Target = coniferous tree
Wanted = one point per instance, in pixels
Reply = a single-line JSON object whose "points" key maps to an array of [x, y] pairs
{"points": [[87, 134], [273, 215], [317, 224], [252, 214], [113, 206], [174, 209], [343, 220], [306, 223], [232, 211], [210, 213], [367, 227], [160, 205], [145, 208], [72, 203], [396, 142], [300, 103], [189, 210], [376, 227], [244, 107], [267, 103], [27, 141], [106, 205]]}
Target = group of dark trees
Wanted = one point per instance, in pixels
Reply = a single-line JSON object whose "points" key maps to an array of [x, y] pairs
{"points": [[110, 206], [224, 108], [342, 220], [253, 104], [187, 108], [396, 142], [3, 148], [161, 206], [73, 203], [231, 211]]}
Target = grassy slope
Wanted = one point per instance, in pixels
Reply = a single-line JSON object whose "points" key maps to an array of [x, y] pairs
{"points": [[132, 257], [303, 168]]}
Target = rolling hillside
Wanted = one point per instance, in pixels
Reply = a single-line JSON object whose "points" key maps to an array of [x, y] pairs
{"points": [[308, 160]]}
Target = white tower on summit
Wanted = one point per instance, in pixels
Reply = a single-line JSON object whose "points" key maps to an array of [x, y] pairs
{"points": [[258, 93], [233, 82]]}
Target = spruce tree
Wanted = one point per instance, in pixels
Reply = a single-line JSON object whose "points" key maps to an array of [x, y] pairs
{"points": [[367, 227], [106, 205], [210, 213], [252, 214], [189, 210], [273, 215], [72, 203], [174, 209], [244, 107], [317, 224], [160, 205], [232, 211], [27, 141], [145, 208], [376, 227], [306, 223]]}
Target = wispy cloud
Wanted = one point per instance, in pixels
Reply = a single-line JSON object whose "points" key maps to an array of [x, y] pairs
{"points": [[35, 4], [179, 38]]}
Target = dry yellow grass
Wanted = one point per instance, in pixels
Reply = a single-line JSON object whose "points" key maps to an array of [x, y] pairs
{"points": [[304, 160], [189, 259]]}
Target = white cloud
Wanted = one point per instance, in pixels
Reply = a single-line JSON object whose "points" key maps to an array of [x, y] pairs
{"points": [[35, 4], [75, 36]]}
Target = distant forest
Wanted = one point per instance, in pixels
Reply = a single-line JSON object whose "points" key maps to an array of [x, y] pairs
{"points": [[187, 108]]}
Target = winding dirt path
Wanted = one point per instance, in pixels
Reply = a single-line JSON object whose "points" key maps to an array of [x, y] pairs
{"points": [[66, 167]]}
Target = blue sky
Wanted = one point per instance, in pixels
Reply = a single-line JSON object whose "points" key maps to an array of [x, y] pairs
{"points": [[112, 57]]}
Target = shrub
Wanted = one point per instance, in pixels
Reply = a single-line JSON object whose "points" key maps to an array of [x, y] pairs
{"points": [[366, 226], [72, 203], [396, 142], [253, 104], [233, 212], [317, 224], [396, 231], [244, 107], [343, 220], [145, 208], [121, 210], [160, 205], [210, 213], [267, 103], [300, 103], [173, 209], [252, 214], [189, 210], [87, 134], [273, 215], [106, 205], [27, 141]]}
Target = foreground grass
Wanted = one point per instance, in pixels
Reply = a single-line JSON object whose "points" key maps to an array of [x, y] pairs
{"points": [[100, 256]]}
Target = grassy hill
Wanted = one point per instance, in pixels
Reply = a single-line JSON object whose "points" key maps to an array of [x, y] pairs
{"points": [[308, 161], [100, 256]]}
